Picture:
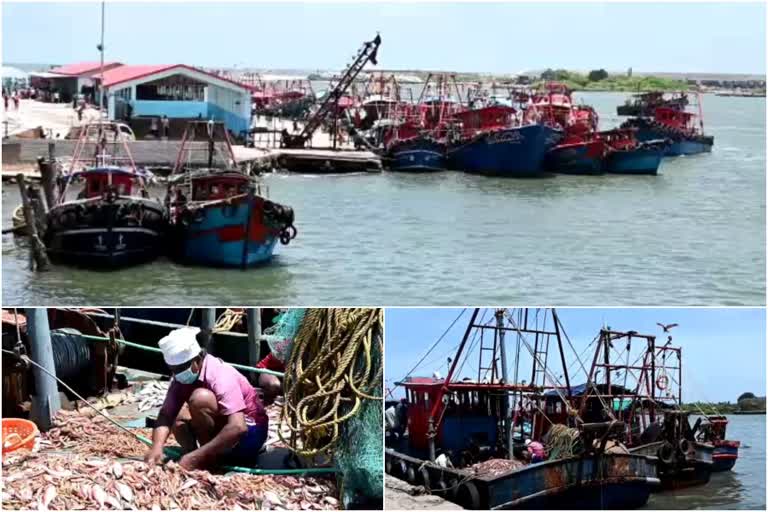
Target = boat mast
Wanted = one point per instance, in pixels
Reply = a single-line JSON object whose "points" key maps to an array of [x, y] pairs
{"points": [[504, 376]]}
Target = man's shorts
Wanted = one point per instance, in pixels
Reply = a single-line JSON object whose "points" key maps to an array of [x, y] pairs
{"points": [[246, 451]]}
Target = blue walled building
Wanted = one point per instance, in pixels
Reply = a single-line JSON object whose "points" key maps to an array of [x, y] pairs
{"points": [[179, 92]]}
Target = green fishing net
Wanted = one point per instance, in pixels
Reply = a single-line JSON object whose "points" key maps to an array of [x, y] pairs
{"points": [[280, 336], [360, 454]]}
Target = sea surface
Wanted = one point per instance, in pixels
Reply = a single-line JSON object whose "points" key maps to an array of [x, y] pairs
{"points": [[694, 235], [741, 488]]}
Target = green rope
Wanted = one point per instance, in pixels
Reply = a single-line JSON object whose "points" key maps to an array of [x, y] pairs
{"points": [[158, 351], [174, 453]]}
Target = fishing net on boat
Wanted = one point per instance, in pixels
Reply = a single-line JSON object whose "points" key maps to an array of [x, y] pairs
{"points": [[562, 442], [280, 336], [360, 454]]}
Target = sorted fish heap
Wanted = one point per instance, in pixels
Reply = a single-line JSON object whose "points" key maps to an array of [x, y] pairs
{"points": [[73, 430], [495, 467], [45, 481], [152, 395]]}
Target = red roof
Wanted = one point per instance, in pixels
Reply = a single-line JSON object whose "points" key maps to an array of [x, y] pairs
{"points": [[127, 73], [81, 68]]}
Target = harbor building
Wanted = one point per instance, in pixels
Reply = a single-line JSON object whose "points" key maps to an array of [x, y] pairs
{"points": [[177, 91]]}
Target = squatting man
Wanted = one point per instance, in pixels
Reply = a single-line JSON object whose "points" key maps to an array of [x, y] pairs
{"points": [[211, 408]]}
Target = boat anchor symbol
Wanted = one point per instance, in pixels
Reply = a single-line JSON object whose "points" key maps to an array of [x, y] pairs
{"points": [[100, 245]]}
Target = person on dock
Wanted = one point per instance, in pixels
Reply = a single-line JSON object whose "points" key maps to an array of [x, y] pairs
{"points": [[212, 409], [153, 128], [165, 123], [5, 100]]}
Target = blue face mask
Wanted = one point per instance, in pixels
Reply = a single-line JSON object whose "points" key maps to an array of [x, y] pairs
{"points": [[186, 377]]}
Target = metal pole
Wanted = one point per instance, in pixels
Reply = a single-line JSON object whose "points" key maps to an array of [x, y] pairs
{"points": [[254, 338], [47, 402], [505, 402], [206, 325], [101, 49]]}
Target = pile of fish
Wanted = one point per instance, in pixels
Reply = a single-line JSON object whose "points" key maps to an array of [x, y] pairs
{"points": [[74, 467], [495, 467], [152, 394], [95, 435], [46, 481]]}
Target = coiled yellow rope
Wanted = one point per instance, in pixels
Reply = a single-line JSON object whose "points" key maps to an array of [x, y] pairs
{"points": [[329, 373], [227, 320]]}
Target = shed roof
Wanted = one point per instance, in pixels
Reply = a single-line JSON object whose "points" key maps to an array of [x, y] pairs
{"points": [[81, 68], [129, 73]]}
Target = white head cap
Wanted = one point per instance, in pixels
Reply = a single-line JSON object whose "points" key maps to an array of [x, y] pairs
{"points": [[180, 346], [527, 442]]}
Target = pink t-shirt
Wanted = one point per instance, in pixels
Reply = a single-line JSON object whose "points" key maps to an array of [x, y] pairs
{"points": [[233, 392]]}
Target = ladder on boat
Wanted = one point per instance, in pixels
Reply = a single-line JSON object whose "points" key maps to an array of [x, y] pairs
{"points": [[539, 374], [367, 53], [493, 365]]}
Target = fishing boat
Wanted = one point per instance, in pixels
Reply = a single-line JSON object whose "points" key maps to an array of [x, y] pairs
{"points": [[494, 140], [637, 382], [219, 214], [726, 452], [417, 142], [626, 155], [644, 104], [110, 221], [580, 151], [466, 438], [684, 130]]}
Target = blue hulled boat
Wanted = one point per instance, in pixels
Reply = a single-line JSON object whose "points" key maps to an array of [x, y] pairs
{"points": [[222, 217], [726, 453], [583, 157], [680, 127], [625, 155], [504, 151], [417, 154], [472, 441]]}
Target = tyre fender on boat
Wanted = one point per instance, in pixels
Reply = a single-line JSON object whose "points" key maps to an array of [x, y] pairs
{"points": [[388, 466], [410, 475], [666, 453], [403, 467], [468, 496], [425, 480]]}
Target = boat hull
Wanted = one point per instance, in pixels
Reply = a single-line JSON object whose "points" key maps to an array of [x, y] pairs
{"points": [[103, 234], [581, 158], [417, 155], [679, 143], [512, 152], [611, 481], [215, 235], [725, 456], [679, 472], [636, 161]]}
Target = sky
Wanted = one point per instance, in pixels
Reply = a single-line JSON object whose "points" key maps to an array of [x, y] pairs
{"points": [[481, 37], [723, 349]]}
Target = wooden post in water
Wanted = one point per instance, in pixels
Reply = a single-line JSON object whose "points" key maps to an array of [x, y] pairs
{"points": [[48, 175], [39, 254], [38, 207]]}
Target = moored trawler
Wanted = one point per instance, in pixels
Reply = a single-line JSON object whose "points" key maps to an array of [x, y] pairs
{"points": [[488, 443], [221, 216], [494, 141], [112, 222], [684, 130]]}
